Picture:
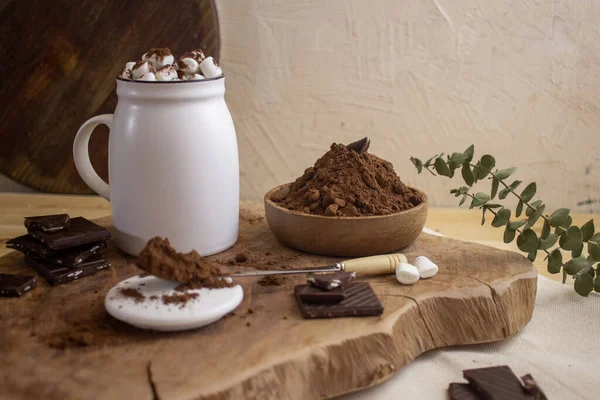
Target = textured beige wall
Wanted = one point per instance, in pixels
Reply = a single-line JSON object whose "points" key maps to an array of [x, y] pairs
{"points": [[519, 79]]}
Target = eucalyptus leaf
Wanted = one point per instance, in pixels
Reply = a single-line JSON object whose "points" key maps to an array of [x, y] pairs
{"points": [[584, 284], [545, 230], [417, 163], [529, 192], [507, 190], [483, 217], [462, 201], [532, 255], [571, 239], [441, 167], [532, 207], [555, 262], [501, 218], [456, 160], [595, 238], [585, 270], [594, 251], [487, 164], [597, 283], [558, 217], [469, 152], [567, 223], [527, 241], [516, 224], [587, 230], [493, 205], [480, 199], [467, 174], [577, 253], [509, 235], [519, 209], [575, 265], [505, 173], [536, 215], [495, 184], [548, 242]]}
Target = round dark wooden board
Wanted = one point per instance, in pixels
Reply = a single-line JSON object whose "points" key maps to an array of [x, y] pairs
{"points": [[62, 58]]}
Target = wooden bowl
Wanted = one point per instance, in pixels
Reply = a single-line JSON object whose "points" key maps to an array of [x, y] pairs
{"points": [[345, 236]]}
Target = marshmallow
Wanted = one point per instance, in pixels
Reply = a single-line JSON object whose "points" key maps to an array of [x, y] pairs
{"points": [[126, 74], [196, 77], [189, 66], [148, 77], [406, 274], [159, 57], [141, 68], [130, 65], [166, 73], [426, 267], [197, 55], [210, 69]]}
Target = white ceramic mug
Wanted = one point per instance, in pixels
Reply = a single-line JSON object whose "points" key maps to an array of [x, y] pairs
{"points": [[173, 165]]}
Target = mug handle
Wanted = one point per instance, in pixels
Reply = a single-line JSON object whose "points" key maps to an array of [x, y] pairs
{"points": [[81, 154]]}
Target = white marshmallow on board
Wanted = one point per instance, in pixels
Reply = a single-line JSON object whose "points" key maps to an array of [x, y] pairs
{"points": [[148, 77], [426, 267], [406, 274], [130, 65], [210, 69], [189, 66], [141, 68], [166, 73]]}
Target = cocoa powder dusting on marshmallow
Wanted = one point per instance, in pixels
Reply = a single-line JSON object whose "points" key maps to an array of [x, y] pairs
{"points": [[345, 183], [132, 293], [179, 299]]}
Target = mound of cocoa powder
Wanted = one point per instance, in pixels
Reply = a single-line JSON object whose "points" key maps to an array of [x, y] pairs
{"points": [[159, 258], [344, 182]]}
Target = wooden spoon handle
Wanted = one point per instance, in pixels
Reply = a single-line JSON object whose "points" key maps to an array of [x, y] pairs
{"points": [[383, 264]]}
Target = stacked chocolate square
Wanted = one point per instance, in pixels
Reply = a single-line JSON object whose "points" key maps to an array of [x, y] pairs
{"points": [[62, 249], [336, 295]]}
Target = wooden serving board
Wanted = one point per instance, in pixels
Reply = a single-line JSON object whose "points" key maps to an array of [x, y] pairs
{"points": [[58, 342]]}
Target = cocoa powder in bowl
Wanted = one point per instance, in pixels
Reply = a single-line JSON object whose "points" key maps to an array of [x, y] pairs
{"points": [[345, 183]]}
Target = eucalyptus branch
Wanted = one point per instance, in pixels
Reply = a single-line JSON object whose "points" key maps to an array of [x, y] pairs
{"points": [[569, 237]]}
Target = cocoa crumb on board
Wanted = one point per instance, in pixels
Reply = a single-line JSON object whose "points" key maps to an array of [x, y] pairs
{"points": [[132, 293], [248, 323], [179, 299], [160, 259], [250, 311], [345, 183], [241, 256], [271, 280]]}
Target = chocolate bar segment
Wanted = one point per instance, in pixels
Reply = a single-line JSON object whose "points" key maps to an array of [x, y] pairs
{"points": [[360, 301], [331, 281], [58, 274], [313, 295], [47, 223], [462, 391], [496, 383], [360, 146], [69, 257], [13, 285], [81, 231]]}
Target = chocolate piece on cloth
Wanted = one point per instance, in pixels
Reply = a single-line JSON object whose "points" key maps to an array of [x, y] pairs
{"points": [[530, 386], [313, 295], [360, 146], [69, 257], [331, 281], [58, 274], [496, 383], [12, 285], [47, 223], [360, 301], [81, 231], [462, 391]]}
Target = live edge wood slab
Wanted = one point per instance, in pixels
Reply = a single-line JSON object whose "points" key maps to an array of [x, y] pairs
{"points": [[58, 342]]}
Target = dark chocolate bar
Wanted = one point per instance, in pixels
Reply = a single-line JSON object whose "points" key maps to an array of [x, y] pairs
{"points": [[360, 301], [47, 223], [69, 257], [496, 383], [12, 285], [58, 274], [313, 295], [81, 231], [331, 281], [462, 391], [530, 386], [360, 146]]}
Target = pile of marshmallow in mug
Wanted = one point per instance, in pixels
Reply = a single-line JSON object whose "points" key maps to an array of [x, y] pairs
{"points": [[159, 65], [408, 274]]}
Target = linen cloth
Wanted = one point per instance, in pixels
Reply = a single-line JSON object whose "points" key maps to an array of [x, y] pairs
{"points": [[559, 347]]}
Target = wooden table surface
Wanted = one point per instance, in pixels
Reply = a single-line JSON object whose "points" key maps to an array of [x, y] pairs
{"points": [[457, 223]]}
